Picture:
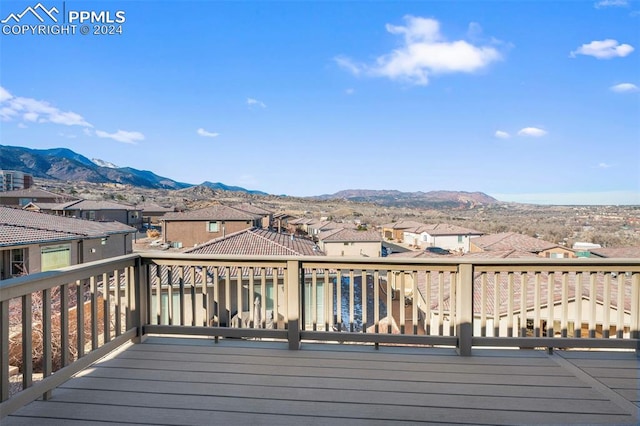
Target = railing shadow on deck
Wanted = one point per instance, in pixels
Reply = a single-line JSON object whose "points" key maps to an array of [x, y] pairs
{"points": [[59, 322]]}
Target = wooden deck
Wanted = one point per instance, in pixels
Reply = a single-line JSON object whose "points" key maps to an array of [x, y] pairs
{"points": [[180, 381]]}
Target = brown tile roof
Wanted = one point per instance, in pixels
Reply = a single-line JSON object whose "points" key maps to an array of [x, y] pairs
{"points": [[32, 227], [556, 281], [348, 235], [97, 205], [501, 254], [255, 241], [403, 224], [444, 229], [618, 252], [12, 235], [416, 255], [512, 241], [35, 193], [217, 212]]}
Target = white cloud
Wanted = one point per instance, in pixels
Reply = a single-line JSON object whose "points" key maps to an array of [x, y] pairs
{"points": [[121, 136], [423, 53], [203, 132], [603, 166], [532, 131], [349, 65], [30, 116], [350, 91], [34, 110], [625, 88], [502, 134], [4, 94], [252, 102], [611, 3], [603, 49], [22, 125]]}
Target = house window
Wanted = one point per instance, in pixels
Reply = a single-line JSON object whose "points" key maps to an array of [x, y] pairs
{"points": [[103, 241], [91, 215], [55, 257], [460, 238], [213, 227], [18, 266]]}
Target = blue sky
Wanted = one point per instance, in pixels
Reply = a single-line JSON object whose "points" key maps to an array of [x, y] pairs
{"points": [[533, 101]]}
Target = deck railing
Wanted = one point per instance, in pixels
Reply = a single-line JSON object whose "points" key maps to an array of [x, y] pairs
{"points": [[62, 321]]}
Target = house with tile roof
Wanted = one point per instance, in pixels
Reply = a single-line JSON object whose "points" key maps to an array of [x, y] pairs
{"points": [[504, 300], [23, 197], [280, 222], [350, 242], [519, 242], [191, 228], [255, 242], [267, 215], [395, 231], [101, 211], [33, 242], [449, 237], [616, 252], [151, 212], [258, 242]]}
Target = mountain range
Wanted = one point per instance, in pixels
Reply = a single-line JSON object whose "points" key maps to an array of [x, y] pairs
{"points": [[66, 165]]}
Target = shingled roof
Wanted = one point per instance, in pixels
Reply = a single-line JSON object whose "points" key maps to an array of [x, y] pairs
{"points": [[258, 242], [217, 212], [349, 235], [444, 229], [19, 226], [512, 241]]}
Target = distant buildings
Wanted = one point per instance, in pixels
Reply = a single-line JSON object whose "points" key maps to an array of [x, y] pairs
{"points": [[11, 180], [188, 229], [33, 242]]}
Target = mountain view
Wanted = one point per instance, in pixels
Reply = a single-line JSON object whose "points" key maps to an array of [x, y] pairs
{"points": [[63, 164]]}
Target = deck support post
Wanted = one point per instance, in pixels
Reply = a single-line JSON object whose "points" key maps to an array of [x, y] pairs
{"points": [[464, 311], [139, 308], [293, 284], [635, 311]]}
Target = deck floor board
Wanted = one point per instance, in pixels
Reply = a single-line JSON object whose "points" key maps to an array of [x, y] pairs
{"points": [[177, 381]]}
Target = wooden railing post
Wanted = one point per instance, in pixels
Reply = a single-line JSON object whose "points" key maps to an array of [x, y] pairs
{"points": [[464, 309], [4, 350], [293, 304], [139, 305], [635, 310]]}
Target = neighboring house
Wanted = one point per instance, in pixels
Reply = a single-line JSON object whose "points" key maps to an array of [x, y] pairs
{"points": [[187, 229], [449, 237], [395, 231], [152, 212], [100, 211], [318, 227], [11, 180], [280, 222], [262, 242], [267, 215], [24, 197], [301, 225], [492, 319], [350, 242], [618, 252], [520, 242], [33, 242]]}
